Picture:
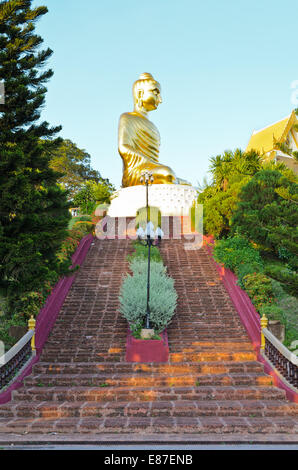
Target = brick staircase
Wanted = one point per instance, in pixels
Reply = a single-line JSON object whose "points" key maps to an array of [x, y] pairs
{"points": [[211, 386]]}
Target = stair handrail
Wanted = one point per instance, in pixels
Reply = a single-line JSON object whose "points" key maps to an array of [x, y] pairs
{"points": [[13, 361], [252, 323], [285, 361], [45, 321]]}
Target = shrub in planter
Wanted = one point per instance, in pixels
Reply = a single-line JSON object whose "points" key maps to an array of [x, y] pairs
{"points": [[140, 266], [141, 251], [163, 299]]}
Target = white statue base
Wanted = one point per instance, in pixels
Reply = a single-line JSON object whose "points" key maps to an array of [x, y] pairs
{"points": [[171, 199]]}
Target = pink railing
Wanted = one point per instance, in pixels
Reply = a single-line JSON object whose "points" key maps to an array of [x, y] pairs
{"points": [[48, 314], [250, 319]]}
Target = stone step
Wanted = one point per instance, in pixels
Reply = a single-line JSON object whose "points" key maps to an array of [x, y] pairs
{"points": [[52, 410], [209, 356], [150, 368], [209, 346], [108, 393], [211, 384], [100, 357], [90, 349], [173, 357], [177, 347], [153, 425], [143, 380]]}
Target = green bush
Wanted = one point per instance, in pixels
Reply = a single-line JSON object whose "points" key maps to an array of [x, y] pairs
{"points": [[84, 226], [67, 249], [236, 251], [76, 234], [163, 299], [287, 277], [283, 253], [259, 288], [272, 312], [133, 293], [84, 218], [243, 269], [141, 251], [289, 307], [140, 266]]}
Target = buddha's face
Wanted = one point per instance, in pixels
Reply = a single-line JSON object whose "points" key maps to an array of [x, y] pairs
{"points": [[150, 96]]}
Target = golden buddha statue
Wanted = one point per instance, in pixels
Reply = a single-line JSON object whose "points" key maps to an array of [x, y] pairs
{"points": [[139, 139]]}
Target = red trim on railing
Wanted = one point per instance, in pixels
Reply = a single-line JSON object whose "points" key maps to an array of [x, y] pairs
{"points": [[249, 317], [48, 314], [247, 312]]}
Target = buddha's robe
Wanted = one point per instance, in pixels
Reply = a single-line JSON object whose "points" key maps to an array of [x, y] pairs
{"points": [[138, 145]]}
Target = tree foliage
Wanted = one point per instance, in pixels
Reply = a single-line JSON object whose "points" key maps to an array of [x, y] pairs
{"points": [[226, 166], [33, 208], [265, 216], [75, 165], [92, 193], [230, 172]]}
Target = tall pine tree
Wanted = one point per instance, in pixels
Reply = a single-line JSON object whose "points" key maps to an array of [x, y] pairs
{"points": [[33, 209]]}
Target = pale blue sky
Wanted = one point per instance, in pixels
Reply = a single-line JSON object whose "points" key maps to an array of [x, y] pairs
{"points": [[225, 68]]}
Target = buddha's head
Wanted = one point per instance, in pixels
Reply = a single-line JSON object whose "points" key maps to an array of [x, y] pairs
{"points": [[146, 93]]}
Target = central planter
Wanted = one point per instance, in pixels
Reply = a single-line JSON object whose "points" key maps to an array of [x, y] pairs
{"points": [[147, 350]]}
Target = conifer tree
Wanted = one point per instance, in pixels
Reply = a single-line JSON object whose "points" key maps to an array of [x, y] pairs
{"points": [[33, 209], [267, 212]]}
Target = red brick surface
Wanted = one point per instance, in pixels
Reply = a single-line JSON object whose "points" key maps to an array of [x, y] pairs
{"points": [[212, 383]]}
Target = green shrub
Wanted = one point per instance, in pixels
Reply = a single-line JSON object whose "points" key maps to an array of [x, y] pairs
{"points": [[236, 251], [140, 266], [283, 253], [84, 226], [243, 269], [84, 218], [287, 277], [272, 312], [5, 337], [76, 233], [133, 299], [141, 251], [259, 288], [68, 247]]}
